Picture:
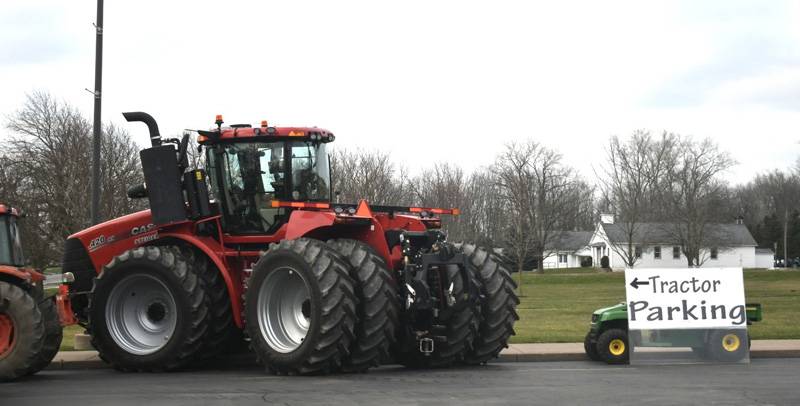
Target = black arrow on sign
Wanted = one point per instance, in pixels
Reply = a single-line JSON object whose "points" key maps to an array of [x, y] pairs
{"points": [[636, 283]]}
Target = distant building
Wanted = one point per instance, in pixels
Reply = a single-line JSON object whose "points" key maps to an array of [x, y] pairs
{"points": [[656, 248], [568, 249], [765, 258]]}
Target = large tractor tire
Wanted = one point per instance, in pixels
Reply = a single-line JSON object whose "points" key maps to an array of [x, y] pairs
{"points": [[498, 305], [53, 334], [728, 345], [221, 330], [461, 329], [378, 306], [300, 308], [148, 310], [22, 332], [612, 345]]}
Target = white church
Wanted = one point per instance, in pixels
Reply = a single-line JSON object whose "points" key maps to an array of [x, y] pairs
{"points": [[655, 249]]}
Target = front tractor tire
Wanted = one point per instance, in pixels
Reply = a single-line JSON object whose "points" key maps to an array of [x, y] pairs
{"points": [[22, 332], [378, 307], [148, 310], [300, 308], [498, 305]]}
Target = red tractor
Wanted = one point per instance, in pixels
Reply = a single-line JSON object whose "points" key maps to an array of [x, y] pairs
{"points": [[315, 287], [30, 325]]}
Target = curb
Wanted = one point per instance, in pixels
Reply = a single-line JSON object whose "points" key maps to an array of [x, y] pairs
{"points": [[70, 360]]}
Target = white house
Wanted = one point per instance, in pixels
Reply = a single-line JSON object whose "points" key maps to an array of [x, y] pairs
{"points": [[656, 249], [765, 258], [567, 249]]}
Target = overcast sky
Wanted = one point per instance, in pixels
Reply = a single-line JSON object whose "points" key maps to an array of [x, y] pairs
{"points": [[430, 81]]}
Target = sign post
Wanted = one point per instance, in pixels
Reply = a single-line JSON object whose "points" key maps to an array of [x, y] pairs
{"points": [[692, 314]]}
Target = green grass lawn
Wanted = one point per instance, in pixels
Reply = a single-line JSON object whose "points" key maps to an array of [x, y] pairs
{"points": [[556, 306]]}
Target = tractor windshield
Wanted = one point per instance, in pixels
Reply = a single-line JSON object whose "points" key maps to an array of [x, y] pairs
{"points": [[247, 177], [10, 244]]}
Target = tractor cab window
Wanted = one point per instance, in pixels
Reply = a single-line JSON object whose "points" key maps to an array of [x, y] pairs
{"points": [[310, 173], [10, 244], [247, 177]]}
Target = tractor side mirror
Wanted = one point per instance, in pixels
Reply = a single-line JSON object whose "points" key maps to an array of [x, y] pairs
{"points": [[137, 191]]}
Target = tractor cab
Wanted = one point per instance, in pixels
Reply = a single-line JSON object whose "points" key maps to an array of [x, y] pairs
{"points": [[10, 243], [255, 174], [250, 168]]}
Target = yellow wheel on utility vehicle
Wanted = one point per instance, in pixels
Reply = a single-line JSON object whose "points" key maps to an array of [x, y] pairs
{"points": [[731, 342], [616, 347]]}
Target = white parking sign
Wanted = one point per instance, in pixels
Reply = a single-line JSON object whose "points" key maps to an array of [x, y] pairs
{"points": [[660, 298]]}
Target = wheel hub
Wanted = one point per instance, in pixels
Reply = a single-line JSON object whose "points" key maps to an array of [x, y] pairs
{"points": [[731, 342], [616, 347], [141, 314], [156, 312], [6, 335], [284, 309]]}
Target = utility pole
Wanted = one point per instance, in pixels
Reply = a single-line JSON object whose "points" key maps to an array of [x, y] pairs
{"points": [[97, 126]]}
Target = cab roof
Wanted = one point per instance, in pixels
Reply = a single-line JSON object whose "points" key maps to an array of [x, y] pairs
{"points": [[246, 133]]}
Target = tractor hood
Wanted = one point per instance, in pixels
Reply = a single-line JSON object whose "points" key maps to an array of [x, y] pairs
{"points": [[98, 238]]}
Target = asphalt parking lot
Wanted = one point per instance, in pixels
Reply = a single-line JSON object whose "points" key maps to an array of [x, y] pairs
{"points": [[764, 381]]}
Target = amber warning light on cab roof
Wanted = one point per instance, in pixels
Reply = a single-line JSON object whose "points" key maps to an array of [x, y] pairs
{"points": [[237, 131]]}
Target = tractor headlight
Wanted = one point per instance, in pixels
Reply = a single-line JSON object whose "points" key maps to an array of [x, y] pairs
{"points": [[595, 317]]}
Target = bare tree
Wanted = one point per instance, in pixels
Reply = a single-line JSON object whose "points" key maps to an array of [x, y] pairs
{"points": [[485, 212], [692, 194], [445, 186], [781, 192], [48, 155], [629, 182], [540, 193], [369, 175]]}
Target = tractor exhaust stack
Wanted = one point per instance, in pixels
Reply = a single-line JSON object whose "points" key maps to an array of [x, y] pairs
{"points": [[152, 126]]}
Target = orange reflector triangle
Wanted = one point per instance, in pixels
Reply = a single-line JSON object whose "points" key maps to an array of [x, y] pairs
{"points": [[363, 209]]}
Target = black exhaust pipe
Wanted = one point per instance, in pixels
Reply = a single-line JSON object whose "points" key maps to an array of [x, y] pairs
{"points": [[155, 136]]}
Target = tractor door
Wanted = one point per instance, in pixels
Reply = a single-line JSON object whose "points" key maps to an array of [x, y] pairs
{"points": [[248, 176]]}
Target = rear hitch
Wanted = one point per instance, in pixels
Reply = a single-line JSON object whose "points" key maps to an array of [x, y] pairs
{"points": [[426, 346]]}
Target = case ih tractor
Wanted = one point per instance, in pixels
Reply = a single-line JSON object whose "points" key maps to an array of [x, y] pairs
{"points": [[315, 287], [30, 325]]}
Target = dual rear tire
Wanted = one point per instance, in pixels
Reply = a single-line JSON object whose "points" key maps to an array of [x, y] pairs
{"points": [[314, 308], [300, 309]]}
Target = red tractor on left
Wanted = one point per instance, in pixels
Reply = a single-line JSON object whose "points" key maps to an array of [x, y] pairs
{"points": [[30, 321]]}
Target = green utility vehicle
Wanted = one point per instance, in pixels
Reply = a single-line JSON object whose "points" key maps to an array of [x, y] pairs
{"points": [[608, 339]]}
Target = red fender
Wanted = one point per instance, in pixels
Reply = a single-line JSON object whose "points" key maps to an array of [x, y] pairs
{"points": [[214, 255], [301, 222]]}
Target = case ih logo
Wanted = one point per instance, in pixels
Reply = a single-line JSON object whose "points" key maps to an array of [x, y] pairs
{"points": [[142, 229]]}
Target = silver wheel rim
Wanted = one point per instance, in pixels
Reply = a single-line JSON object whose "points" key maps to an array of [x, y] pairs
{"points": [[284, 309], [141, 314]]}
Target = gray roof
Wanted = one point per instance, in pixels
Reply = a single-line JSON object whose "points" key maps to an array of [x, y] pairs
{"points": [[728, 235], [569, 240]]}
